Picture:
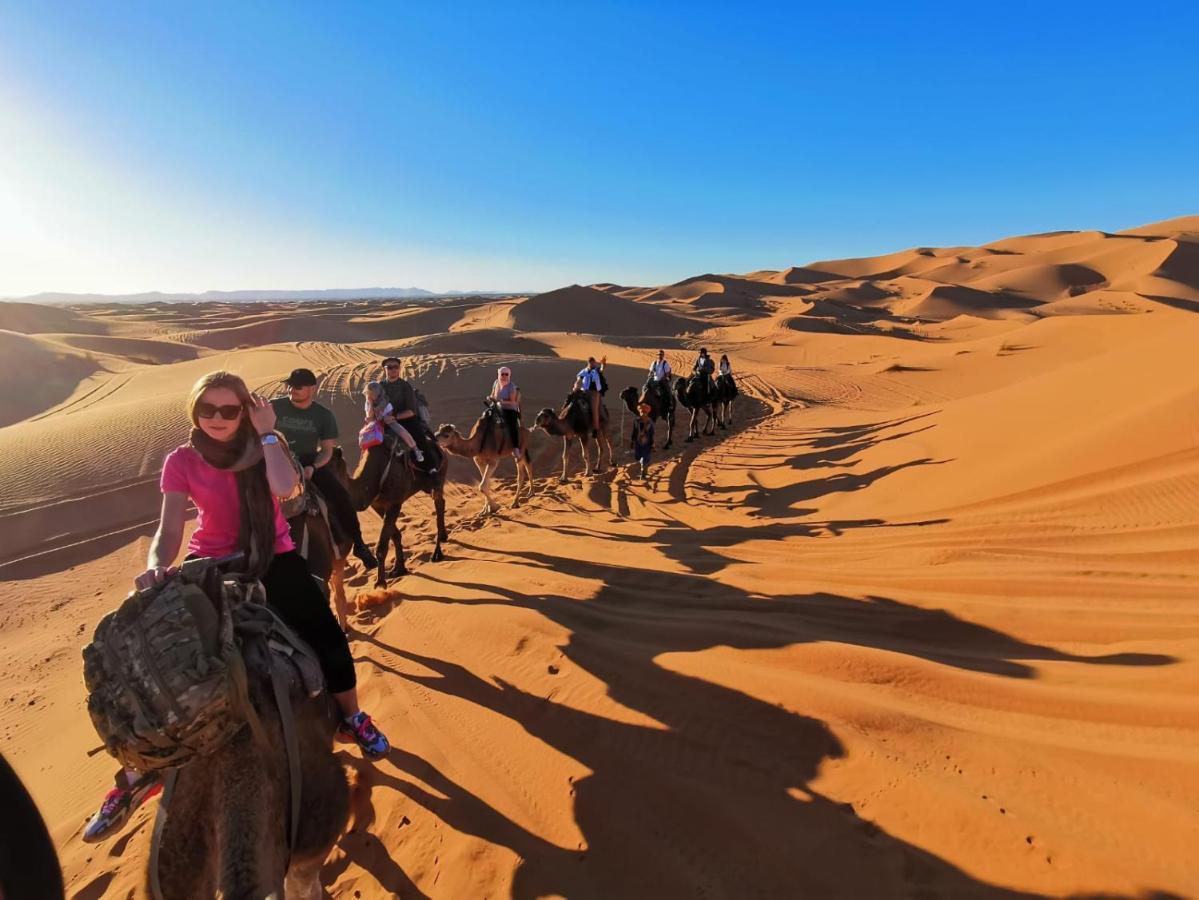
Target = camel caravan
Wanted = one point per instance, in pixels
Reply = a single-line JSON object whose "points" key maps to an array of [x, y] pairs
{"points": [[223, 681]]}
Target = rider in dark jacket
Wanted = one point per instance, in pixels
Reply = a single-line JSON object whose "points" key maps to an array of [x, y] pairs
{"points": [[702, 370]]}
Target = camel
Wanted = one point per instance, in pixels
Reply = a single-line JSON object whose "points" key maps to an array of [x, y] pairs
{"points": [[312, 533], [574, 421], [660, 408], [384, 481], [227, 826], [687, 390], [723, 396], [487, 444]]}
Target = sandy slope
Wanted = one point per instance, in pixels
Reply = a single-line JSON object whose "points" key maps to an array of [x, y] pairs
{"points": [[923, 622]]}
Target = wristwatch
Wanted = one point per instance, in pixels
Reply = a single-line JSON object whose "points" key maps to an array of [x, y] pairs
{"points": [[270, 439]]}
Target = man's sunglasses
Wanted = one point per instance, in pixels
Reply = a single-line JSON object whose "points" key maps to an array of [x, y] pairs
{"points": [[505, 374], [228, 411]]}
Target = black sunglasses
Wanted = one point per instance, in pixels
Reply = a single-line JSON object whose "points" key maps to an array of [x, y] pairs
{"points": [[228, 411]]}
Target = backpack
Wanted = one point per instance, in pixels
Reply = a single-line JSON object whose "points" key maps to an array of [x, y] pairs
{"points": [[422, 407], [165, 675], [603, 382], [370, 435]]}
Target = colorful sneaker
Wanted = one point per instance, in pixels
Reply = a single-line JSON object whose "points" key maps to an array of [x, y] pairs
{"points": [[362, 731], [119, 804]]}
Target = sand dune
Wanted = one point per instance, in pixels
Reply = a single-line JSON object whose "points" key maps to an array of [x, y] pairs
{"points": [[923, 622], [590, 311]]}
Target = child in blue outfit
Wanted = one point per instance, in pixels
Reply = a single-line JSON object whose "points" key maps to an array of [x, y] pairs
{"points": [[643, 437]]}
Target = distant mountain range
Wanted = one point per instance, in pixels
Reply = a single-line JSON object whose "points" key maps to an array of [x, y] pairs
{"points": [[409, 293]]}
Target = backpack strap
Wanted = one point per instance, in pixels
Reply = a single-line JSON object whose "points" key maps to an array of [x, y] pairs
{"points": [[291, 742], [160, 822]]}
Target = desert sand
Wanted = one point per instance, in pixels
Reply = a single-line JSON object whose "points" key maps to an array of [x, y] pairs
{"points": [[923, 622]]}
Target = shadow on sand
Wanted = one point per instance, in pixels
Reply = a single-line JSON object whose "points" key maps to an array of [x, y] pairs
{"points": [[717, 801]]}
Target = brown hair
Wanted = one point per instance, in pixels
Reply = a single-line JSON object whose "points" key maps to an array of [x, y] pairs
{"points": [[219, 379]]}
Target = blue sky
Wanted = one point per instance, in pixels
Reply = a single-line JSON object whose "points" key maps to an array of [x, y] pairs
{"points": [[159, 146]]}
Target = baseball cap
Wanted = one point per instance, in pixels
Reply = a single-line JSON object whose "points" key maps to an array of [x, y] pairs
{"points": [[301, 378], [389, 360]]}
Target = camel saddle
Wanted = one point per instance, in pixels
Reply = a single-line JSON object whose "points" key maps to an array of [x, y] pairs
{"points": [[166, 671]]}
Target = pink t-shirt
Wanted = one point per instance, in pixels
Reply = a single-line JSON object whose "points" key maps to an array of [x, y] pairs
{"points": [[214, 491]]}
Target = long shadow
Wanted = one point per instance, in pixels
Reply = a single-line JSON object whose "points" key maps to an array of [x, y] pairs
{"points": [[713, 796], [779, 502]]}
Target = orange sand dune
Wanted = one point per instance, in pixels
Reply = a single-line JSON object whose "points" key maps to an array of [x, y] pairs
{"points": [[589, 311], [922, 622]]}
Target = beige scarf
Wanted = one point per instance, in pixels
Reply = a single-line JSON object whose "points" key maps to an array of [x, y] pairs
{"points": [[243, 457]]}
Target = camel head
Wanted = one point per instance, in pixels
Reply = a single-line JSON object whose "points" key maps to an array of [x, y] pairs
{"points": [[629, 395], [545, 417], [445, 433]]}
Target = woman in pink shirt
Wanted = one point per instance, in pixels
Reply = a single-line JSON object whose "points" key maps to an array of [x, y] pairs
{"points": [[234, 468]]}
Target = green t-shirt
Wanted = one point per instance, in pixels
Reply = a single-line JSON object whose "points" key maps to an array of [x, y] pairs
{"points": [[304, 428]]}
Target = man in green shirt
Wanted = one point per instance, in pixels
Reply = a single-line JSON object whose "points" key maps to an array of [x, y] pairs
{"points": [[311, 431]]}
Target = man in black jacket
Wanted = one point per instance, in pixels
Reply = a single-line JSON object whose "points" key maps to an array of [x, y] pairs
{"points": [[402, 397]]}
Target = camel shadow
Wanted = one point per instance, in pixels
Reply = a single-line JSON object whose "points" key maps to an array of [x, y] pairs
{"points": [[705, 790]]}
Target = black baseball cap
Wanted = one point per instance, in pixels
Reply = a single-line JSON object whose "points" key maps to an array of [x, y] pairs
{"points": [[301, 378], [390, 360]]}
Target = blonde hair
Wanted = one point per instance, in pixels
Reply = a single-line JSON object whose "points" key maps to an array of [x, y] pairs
{"points": [[372, 390], [219, 379]]}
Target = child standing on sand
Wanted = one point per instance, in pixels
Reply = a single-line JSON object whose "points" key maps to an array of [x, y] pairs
{"points": [[643, 437], [378, 410]]}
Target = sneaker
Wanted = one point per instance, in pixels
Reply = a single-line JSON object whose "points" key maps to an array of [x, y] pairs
{"points": [[365, 555], [119, 804], [362, 731]]}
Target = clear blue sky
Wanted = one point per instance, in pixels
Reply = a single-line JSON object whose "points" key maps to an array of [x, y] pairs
{"points": [[523, 146]]}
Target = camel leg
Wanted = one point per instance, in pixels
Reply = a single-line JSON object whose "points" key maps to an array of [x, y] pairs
{"points": [[604, 443], [337, 585], [381, 545], [669, 430], [565, 448], [303, 881], [520, 480], [442, 534], [527, 468], [400, 569], [389, 524], [585, 450], [485, 469]]}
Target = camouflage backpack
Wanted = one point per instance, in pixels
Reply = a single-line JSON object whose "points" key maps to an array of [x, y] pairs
{"points": [[166, 680]]}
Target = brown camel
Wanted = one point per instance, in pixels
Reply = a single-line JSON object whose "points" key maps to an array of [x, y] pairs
{"points": [[384, 481], [488, 444], [326, 555], [227, 826], [574, 421]]}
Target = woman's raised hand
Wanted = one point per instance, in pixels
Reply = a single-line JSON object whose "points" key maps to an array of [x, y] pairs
{"points": [[262, 414], [151, 577]]}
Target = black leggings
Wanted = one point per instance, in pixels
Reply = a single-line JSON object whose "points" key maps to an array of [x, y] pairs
{"points": [[294, 595], [512, 421]]}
